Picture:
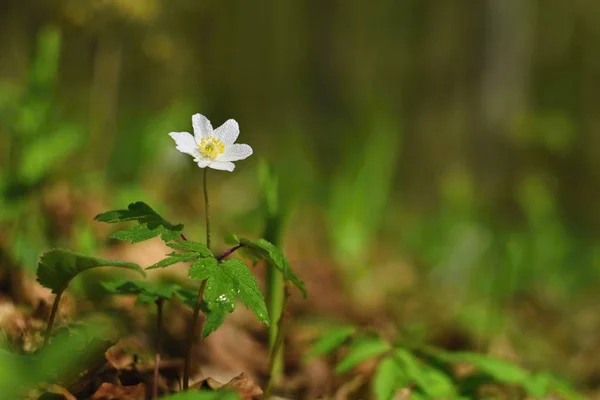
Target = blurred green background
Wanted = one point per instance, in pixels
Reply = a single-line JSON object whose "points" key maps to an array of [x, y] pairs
{"points": [[438, 153]]}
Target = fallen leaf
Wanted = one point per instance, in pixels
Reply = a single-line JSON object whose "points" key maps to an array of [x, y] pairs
{"points": [[245, 387], [108, 391]]}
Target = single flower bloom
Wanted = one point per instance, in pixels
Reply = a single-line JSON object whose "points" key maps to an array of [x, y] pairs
{"points": [[212, 148]]}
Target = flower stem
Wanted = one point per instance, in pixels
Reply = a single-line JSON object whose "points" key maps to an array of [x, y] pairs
{"points": [[206, 207], [274, 359], [275, 293], [52, 317], [159, 307], [192, 330]]}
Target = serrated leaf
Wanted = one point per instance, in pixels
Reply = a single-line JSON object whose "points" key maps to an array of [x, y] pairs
{"points": [[362, 349], [220, 291], [225, 282], [203, 268], [147, 292], [191, 246], [266, 250], [219, 295], [174, 258], [389, 377], [247, 288], [331, 340], [58, 267], [214, 319], [432, 381], [151, 224]]}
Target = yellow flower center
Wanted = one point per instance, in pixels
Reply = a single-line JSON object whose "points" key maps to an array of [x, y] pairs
{"points": [[211, 147]]}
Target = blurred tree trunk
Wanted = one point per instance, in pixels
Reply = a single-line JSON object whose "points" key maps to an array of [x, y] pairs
{"points": [[504, 96], [104, 98]]}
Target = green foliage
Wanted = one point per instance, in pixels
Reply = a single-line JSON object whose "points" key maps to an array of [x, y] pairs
{"points": [[432, 381], [388, 378], [41, 154], [361, 349], [174, 258], [149, 292], [150, 224], [360, 192], [192, 247], [192, 251], [496, 370], [331, 340], [203, 268], [60, 361], [57, 267], [204, 395], [226, 282], [429, 371], [261, 249]]}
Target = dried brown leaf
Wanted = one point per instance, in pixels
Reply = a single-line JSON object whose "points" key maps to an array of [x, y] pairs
{"points": [[245, 387], [109, 391]]}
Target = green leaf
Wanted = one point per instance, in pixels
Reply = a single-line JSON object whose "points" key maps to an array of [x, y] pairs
{"points": [[69, 352], [331, 340], [148, 292], [214, 319], [204, 395], [224, 283], [203, 268], [432, 381], [189, 246], [501, 370], [232, 239], [247, 288], [362, 349], [388, 378], [151, 224], [57, 267], [266, 250], [174, 258], [219, 295]]}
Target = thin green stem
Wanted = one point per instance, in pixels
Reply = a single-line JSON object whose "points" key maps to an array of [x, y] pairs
{"points": [[274, 292], [159, 308], [276, 351], [192, 330], [206, 207], [52, 317]]}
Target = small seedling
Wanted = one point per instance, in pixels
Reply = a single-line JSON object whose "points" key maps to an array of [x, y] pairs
{"points": [[430, 373]]}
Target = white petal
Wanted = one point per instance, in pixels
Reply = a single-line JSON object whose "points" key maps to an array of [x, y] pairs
{"points": [[202, 126], [235, 152], [228, 132], [203, 162], [185, 142], [222, 166]]}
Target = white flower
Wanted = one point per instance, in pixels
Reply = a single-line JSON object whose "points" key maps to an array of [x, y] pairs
{"points": [[212, 148]]}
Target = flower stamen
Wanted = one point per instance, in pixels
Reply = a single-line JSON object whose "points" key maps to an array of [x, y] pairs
{"points": [[211, 147]]}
